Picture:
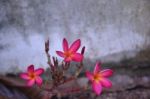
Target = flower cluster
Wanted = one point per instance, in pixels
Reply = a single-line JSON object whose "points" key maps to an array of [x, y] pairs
{"points": [[98, 79]]}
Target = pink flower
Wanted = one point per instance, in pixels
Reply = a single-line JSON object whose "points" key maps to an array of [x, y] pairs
{"points": [[99, 79], [33, 76], [70, 53]]}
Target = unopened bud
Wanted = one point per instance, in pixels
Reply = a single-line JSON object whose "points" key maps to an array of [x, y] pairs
{"points": [[47, 45], [83, 50]]}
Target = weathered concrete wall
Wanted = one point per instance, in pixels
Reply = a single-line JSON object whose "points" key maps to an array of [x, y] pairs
{"points": [[104, 26]]}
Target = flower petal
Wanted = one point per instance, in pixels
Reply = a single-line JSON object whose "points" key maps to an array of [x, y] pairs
{"points": [[97, 68], [75, 46], [31, 82], [39, 71], [68, 59], [39, 81], [24, 76], [97, 88], [106, 73], [77, 57], [30, 69], [61, 54], [89, 75], [106, 83], [65, 45]]}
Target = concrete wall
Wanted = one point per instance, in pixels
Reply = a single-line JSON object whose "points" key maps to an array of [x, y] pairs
{"points": [[105, 27]]}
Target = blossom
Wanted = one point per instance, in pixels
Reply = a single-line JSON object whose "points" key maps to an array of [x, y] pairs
{"points": [[70, 53], [99, 78], [33, 76]]}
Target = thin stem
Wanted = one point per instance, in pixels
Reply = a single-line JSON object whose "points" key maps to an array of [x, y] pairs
{"points": [[80, 67]]}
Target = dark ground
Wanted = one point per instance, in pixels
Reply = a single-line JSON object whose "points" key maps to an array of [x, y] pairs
{"points": [[131, 80]]}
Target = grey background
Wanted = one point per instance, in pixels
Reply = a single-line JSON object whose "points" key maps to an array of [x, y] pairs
{"points": [[105, 27]]}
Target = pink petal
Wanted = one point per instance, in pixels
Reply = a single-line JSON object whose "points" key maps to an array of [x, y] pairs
{"points": [[77, 57], [75, 46], [68, 59], [61, 54], [106, 83], [31, 69], [106, 73], [39, 71], [65, 45], [97, 88], [24, 76], [89, 75], [31, 82], [39, 81], [97, 68]]}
